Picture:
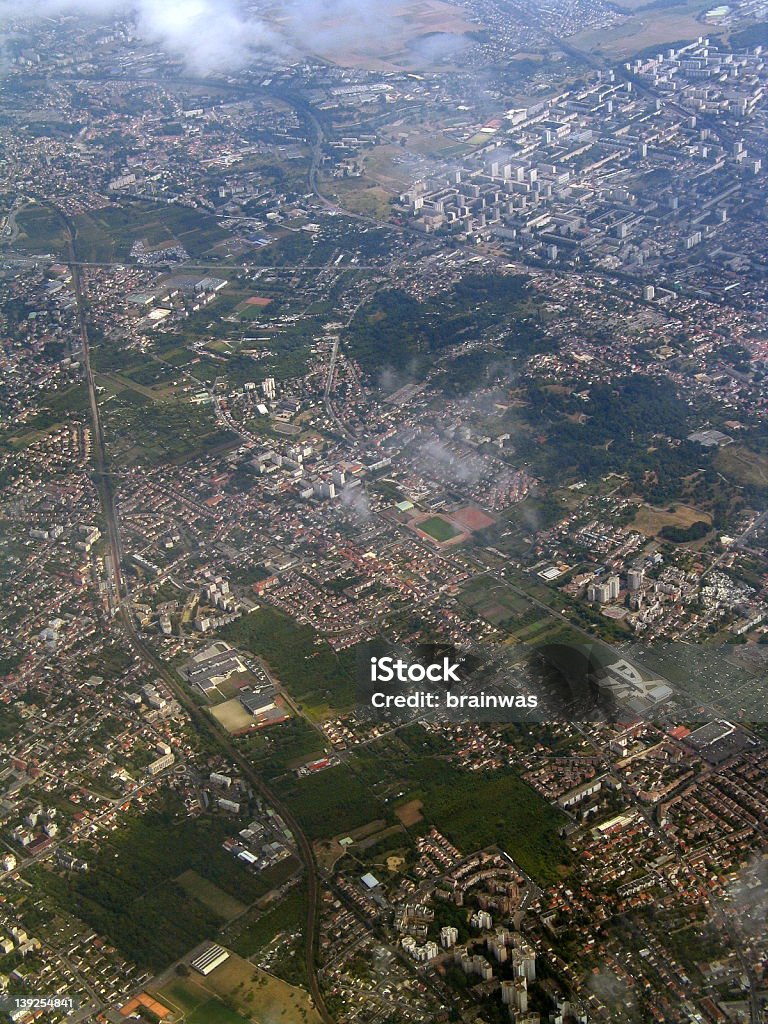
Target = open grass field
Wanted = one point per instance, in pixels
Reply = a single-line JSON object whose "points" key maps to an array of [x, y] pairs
{"points": [[651, 521], [210, 895], [531, 627], [196, 1004], [236, 992], [438, 529], [388, 165], [496, 602], [21, 441], [645, 27], [327, 852], [742, 465], [40, 231], [274, 1000], [253, 308], [496, 612], [56, 408], [117, 383], [359, 195], [395, 45], [369, 830]]}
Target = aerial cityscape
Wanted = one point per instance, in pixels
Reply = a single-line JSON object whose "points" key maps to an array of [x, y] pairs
{"points": [[384, 511]]}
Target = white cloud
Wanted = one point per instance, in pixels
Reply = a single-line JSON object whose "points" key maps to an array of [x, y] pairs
{"points": [[208, 35]]}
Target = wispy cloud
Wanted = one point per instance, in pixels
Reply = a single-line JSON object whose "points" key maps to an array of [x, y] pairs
{"points": [[208, 35], [226, 35], [356, 500]]}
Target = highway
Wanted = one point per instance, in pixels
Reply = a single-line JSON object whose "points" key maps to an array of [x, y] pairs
{"points": [[124, 615]]}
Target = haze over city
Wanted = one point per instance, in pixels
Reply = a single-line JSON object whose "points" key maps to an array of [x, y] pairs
{"points": [[383, 522]]}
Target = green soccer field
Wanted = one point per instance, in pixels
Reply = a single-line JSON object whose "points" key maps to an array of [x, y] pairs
{"points": [[439, 529]]}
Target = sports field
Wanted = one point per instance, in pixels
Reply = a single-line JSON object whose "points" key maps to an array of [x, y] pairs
{"points": [[232, 715], [250, 994], [438, 529], [472, 518]]}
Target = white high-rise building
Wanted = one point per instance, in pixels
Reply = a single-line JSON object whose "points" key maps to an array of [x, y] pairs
{"points": [[635, 579], [524, 963], [481, 919], [520, 995]]}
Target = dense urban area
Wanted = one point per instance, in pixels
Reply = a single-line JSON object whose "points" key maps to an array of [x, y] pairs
{"points": [[330, 331]]}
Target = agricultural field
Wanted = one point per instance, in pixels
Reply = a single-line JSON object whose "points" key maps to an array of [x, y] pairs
{"points": [[396, 46], [410, 813], [110, 233], [497, 603], [648, 25]]}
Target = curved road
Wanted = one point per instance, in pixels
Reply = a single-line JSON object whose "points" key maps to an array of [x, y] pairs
{"points": [[103, 482]]}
